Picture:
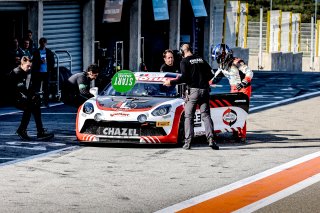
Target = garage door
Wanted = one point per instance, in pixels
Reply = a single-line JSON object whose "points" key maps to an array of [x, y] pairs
{"points": [[62, 26]]}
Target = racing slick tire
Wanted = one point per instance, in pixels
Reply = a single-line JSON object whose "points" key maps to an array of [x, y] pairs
{"points": [[242, 140], [181, 135], [239, 139]]}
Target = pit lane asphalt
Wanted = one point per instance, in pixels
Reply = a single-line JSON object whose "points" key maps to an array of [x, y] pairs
{"points": [[269, 89], [146, 179]]}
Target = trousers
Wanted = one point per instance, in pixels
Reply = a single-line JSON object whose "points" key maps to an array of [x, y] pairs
{"points": [[196, 97], [35, 110]]}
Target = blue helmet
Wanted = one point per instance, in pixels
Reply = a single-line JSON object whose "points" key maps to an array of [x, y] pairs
{"points": [[221, 53]]}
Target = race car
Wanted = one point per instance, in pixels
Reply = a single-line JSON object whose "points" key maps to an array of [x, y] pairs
{"points": [[152, 113]]}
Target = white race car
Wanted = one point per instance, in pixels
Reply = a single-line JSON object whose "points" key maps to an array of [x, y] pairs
{"points": [[153, 113]]}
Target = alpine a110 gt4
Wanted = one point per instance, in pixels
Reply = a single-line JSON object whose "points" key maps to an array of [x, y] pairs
{"points": [[153, 113]]}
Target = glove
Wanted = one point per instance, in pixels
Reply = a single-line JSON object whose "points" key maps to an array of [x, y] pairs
{"points": [[243, 84]]}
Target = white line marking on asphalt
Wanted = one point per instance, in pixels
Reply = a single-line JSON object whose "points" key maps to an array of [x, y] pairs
{"points": [[279, 195], [283, 101], [32, 135], [40, 155], [15, 111], [36, 148], [58, 113], [236, 185], [44, 143], [7, 158]]}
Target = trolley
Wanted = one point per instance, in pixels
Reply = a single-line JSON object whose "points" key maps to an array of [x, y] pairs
{"points": [[63, 59]]}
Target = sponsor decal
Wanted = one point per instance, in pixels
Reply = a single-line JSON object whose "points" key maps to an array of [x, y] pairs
{"points": [[196, 61], [119, 114], [240, 101], [199, 133], [229, 117], [124, 105], [147, 78], [162, 123], [110, 131], [123, 81]]}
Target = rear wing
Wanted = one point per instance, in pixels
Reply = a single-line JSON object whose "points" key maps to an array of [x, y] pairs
{"points": [[239, 99]]}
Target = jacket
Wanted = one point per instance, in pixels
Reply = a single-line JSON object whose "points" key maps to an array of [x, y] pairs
{"points": [[25, 94], [36, 60]]}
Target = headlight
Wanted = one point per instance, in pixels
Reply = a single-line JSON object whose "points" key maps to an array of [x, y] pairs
{"points": [[88, 108], [161, 110]]}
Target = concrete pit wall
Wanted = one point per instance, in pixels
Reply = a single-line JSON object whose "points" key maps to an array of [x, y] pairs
{"points": [[278, 61]]}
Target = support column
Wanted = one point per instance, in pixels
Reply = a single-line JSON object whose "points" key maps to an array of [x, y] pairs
{"points": [[39, 21], [174, 31], [208, 32], [135, 35], [88, 21], [33, 23]]}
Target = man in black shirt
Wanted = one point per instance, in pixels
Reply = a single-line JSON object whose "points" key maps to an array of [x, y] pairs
{"points": [[76, 90], [196, 73], [168, 65]]}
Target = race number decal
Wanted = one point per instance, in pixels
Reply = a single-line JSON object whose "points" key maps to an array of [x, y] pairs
{"points": [[197, 120]]}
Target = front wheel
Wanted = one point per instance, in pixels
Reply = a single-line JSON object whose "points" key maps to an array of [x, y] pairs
{"points": [[181, 135]]}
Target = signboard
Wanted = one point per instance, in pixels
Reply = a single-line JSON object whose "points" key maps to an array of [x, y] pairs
{"points": [[112, 11], [123, 81], [160, 10], [285, 36], [273, 31], [199, 10], [231, 23], [296, 22]]}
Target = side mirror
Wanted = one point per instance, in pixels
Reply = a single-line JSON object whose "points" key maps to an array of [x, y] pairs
{"points": [[94, 91]]}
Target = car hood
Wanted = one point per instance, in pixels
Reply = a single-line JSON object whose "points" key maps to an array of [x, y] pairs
{"points": [[129, 103]]}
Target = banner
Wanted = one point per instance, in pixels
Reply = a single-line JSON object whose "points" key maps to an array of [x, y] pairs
{"points": [[160, 10], [199, 10], [112, 11]]}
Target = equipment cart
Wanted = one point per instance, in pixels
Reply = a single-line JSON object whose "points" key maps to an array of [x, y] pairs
{"points": [[63, 69]]}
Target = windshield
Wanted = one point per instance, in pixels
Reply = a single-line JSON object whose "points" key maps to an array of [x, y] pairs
{"points": [[143, 90]]}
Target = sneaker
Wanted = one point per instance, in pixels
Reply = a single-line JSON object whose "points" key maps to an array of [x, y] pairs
{"points": [[44, 135], [213, 144], [23, 135], [187, 145]]}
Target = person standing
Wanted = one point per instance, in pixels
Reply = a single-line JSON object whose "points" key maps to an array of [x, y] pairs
{"points": [[238, 74], [25, 48], [32, 44], [233, 68], [14, 55], [168, 65], [76, 90], [43, 66], [196, 73], [27, 100]]}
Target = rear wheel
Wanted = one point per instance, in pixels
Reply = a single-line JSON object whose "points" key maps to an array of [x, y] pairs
{"points": [[240, 139]]}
